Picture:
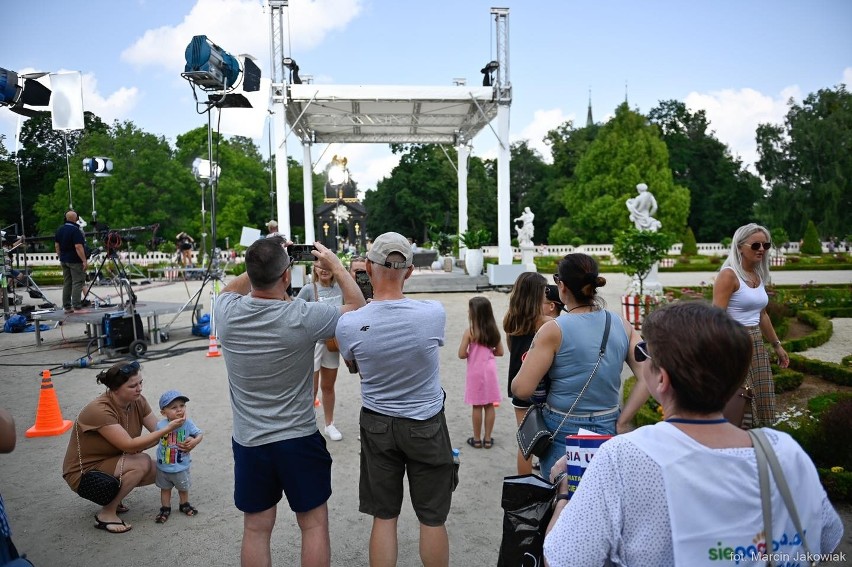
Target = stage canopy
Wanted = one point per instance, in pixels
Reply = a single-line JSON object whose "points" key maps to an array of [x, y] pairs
{"points": [[327, 114]]}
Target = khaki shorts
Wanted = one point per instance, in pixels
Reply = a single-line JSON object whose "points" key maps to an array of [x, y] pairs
{"points": [[392, 446]]}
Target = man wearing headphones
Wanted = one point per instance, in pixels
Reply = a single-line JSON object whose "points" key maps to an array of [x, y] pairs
{"points": [[70, 247]]}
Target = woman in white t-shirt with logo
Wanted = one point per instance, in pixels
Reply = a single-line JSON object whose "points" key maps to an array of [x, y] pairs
{"points": [[326, 362], [686, 491]]}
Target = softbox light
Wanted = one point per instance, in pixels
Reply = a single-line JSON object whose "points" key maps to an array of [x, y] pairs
{"points": [[66, 104]]}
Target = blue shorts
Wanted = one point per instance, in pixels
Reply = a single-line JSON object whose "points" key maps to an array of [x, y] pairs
{"points": [[300, 468]]}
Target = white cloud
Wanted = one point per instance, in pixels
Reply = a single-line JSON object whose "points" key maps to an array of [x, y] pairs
{"points": [[535, 131], [115, 106], [735, 114], [847, 77], [241, 26]]}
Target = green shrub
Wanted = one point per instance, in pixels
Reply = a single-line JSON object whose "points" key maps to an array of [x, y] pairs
{"points": [[779, 238], [811, 243], [822, 332], [726, 242], [690, 247], [818, 404], [830, 447], [576, 242], [786, 379], [140, 249], [167, 247], [838, 485], [830, 371]]}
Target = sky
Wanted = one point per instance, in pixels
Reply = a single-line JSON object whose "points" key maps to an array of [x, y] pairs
{"points": [[741, 61]]}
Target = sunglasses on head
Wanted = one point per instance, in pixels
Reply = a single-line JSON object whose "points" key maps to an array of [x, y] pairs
{"points": [[640, 352], [556, 278], [756, 245], [130, 368]]}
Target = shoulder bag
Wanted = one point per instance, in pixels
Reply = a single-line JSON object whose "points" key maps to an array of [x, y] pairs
{"points": [[736, 408], [330, 344], [534, 438], [765, 454], [97, 486]]}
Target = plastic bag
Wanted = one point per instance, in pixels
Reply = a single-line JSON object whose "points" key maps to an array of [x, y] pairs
{"points": [[527, 508]]}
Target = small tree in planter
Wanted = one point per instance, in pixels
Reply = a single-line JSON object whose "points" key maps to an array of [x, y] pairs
{"points": [[474, 240], [443, 242], [637, 252]]}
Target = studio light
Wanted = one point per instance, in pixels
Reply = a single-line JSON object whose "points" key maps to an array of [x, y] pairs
{"points": [[99, 166], [209, 66], [19, 90], [201, 170], [488, 71], [291, 64]]}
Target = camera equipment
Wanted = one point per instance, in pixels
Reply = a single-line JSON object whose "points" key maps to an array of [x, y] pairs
{"points": [[301, 252], [363, 281]]}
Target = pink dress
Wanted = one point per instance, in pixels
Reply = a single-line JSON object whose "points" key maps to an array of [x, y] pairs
{"points": [[481, 386]]}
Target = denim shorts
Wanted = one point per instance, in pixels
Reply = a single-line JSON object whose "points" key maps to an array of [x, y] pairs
{"points": [[300, 468], [603, 424], [394, 446]]}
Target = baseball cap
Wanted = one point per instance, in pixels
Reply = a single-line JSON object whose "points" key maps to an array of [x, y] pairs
{"points": [[169, 396], [388, 243]]}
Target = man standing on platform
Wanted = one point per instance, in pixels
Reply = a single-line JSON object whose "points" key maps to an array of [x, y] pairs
{"points": [[268, 345], [395, 341], [69, 244]]}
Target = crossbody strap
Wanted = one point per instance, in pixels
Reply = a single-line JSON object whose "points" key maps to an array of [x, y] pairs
{"points": [[601, 353], [80, 454], [765, 455]]}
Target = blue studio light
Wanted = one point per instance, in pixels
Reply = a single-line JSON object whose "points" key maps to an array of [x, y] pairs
{"points": [[209, 66], [8, 86]]}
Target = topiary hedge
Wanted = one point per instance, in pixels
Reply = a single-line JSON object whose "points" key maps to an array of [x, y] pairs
{"points": [[786, 379], [822, 332], [830, 371]]}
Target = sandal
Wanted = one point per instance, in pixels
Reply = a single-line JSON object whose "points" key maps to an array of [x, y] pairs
{"points": [[121, 508], [101, 525], [187, 509], [163, 516], [488, 443], [475, 443]]}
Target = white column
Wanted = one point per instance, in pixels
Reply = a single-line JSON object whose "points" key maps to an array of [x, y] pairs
{"points": [[504, 228], [463, 153], [282, 179], [308, 183]]}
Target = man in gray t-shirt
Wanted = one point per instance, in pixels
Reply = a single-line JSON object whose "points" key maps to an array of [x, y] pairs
{"points": [[395, 342], [268, 345]]}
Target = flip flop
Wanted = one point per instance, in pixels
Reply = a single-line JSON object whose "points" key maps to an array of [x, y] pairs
{"points": [[488, 443], [475, 443], [101, 525], [121, 508]]}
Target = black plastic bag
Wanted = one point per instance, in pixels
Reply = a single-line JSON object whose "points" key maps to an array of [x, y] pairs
{"points": [[527, 508]]}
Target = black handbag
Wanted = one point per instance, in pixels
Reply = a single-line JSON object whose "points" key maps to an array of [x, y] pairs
{"points": [[534, 437], [97, 486]]}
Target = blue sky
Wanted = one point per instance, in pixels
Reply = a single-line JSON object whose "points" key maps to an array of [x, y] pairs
{"points": [[739, 60]]}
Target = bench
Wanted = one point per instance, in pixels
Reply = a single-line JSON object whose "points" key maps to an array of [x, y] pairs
{"points": [[425, 259]]}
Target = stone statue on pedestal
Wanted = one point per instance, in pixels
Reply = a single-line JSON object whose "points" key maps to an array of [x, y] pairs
{"points": [[526, 230], [642, 208]]}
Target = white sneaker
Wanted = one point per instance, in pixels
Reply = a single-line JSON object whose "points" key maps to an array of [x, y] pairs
{"points": [[332, 432]]}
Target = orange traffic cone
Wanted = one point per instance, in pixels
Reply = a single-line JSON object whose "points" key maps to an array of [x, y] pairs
{"points": [[48, 416], [213, 349]]}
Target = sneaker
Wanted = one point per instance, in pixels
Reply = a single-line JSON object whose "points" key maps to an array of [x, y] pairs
{"points": [[332, 432], [68, 310]]}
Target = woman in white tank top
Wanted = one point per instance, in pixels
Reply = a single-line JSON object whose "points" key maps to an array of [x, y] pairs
{"points": [[739, 288]]}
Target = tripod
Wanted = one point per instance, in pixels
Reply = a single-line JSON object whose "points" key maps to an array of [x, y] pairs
{"points": [[119, 279]]}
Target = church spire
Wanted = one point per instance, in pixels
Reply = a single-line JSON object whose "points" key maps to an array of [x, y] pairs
{"points": [[589, 120]]}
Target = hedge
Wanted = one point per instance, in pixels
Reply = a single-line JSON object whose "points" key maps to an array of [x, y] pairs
{"points": [[822, 332], [839, 374]]}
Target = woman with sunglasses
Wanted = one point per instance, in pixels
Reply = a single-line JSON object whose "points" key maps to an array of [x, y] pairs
{"points": [[686, 491], [739, 288], [567, 349], [108, 437]]}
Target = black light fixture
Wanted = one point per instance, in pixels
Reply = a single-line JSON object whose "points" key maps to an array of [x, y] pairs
{"points": [[19, 90], [488, 71], [291, 64]]}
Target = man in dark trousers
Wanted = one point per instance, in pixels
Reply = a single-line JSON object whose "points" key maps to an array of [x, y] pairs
{"points": [[69, 244]]}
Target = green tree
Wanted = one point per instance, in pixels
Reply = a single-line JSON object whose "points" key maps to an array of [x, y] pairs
{"points": [[530, 186], [722, 192], [811, 243], [638, 250], [690, 247], [807, 166], [780, 238], [626, 151]]}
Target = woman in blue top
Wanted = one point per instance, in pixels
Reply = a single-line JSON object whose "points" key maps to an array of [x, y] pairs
{"points": [[567, 348]]}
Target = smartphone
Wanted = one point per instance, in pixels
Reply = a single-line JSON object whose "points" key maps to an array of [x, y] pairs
{"points": [[363, 281], [352, 365], [301, 252]]}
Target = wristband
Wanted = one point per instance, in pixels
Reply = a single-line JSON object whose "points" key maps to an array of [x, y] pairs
{"points": [[563, 497]]}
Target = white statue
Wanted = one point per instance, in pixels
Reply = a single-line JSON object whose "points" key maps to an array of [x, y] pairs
{"points": [[526, 230], [642, 208]]}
